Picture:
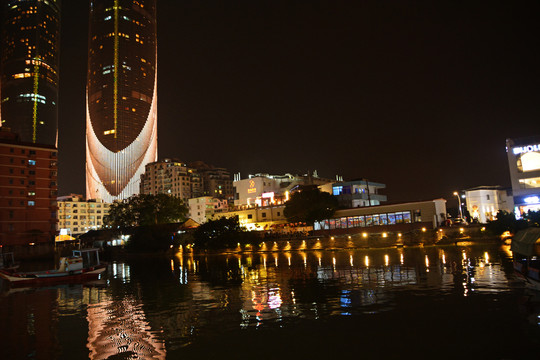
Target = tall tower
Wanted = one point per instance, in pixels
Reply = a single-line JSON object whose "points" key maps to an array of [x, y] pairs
{"points": [[121, 97], [29, 71]]}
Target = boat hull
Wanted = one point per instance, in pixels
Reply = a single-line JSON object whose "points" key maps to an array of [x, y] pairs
{"points": [[51, 278]]}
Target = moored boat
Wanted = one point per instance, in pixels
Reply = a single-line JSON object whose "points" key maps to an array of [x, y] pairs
{"points": [[526, 257], [83, 265]]}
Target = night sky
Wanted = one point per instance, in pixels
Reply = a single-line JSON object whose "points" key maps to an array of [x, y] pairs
{"points": [[419, 96]]}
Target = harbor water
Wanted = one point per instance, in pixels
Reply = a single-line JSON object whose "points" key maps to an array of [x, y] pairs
{"points": [[458, 302]]}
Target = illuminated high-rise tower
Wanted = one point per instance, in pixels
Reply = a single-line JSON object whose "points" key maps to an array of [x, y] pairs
{"points": [[121, 97], [29, 69]]}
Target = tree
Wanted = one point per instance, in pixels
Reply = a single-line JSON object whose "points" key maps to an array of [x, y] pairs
{"points": [[506, 221], [310, 205], [533, 218], [220, 233], [144, 209]]}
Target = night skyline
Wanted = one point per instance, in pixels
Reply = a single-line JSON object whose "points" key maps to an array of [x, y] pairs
{"points": [[420, 98]]}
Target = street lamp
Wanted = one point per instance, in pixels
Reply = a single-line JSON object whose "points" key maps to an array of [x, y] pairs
{"points": [[459, 204]]}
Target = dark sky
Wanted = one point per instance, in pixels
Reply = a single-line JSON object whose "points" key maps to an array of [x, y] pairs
{"points": [[417, 95]]}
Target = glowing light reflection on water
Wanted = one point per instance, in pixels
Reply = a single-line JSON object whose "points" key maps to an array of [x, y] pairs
{"points": [[159, 308]]}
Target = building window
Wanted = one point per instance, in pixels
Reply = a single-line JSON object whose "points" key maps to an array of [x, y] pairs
{"points": [[250, 216], [31, 203], [487, 196]]}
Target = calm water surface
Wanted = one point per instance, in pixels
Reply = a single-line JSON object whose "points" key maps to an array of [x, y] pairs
{"points": [[432, 302]]}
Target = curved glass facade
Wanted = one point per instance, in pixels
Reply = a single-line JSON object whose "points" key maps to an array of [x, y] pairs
{"points": [[30, 59], [121, 125]]}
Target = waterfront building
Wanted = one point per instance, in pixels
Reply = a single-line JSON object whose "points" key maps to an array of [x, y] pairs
{"points": [[28, 176], [204, 208], [77, 216], [121, 125], [217, 182], [390, 217], [30, 68], [524, 165], [257, 218], [172, 177], [265, 189], [483, 202], [358, 193]]}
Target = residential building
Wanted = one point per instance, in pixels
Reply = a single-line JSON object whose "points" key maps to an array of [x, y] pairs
{"points": [[30, 69], [172, 177], [204, 208], [483, 202], [77, 216], [28, 187], [217, 182], [121, 124], [524, 165]]}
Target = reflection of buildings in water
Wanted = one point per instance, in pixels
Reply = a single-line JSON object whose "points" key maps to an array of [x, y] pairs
{"points": [[119, 327], [279, 285], [121, 271], [29, 325]]}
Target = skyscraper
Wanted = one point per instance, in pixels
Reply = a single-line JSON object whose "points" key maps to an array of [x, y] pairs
{"points": [[121, 97], [29, 69]]}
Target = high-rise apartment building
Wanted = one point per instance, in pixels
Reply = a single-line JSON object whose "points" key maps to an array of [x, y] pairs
{"points": [[29, 69], [121, 125], [77, 215], [28, 175], [217, 182], [172, 177]]}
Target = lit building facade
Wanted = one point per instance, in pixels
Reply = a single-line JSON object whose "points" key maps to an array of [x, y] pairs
{"points": [[524, 165], [121, 97], [29, 69], [28, 188], [259, 218], [391, 217], [172, 177], [483, 202], [358, 193], [265, 189], [77, 216], [204, 208]]}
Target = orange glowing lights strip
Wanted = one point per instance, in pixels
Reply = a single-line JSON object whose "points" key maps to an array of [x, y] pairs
{"points": [[36, 85]]}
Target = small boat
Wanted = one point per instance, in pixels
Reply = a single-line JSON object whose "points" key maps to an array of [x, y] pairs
{"points": [[526, 257], [83, 265]]}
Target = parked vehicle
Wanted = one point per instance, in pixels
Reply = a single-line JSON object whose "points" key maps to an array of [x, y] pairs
{"points": [[459, 221]]}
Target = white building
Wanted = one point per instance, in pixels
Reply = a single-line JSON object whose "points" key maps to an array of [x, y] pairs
{"points": [[259, 217], [77, 216], [483, 202], [206, 208], [524, 164]]}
